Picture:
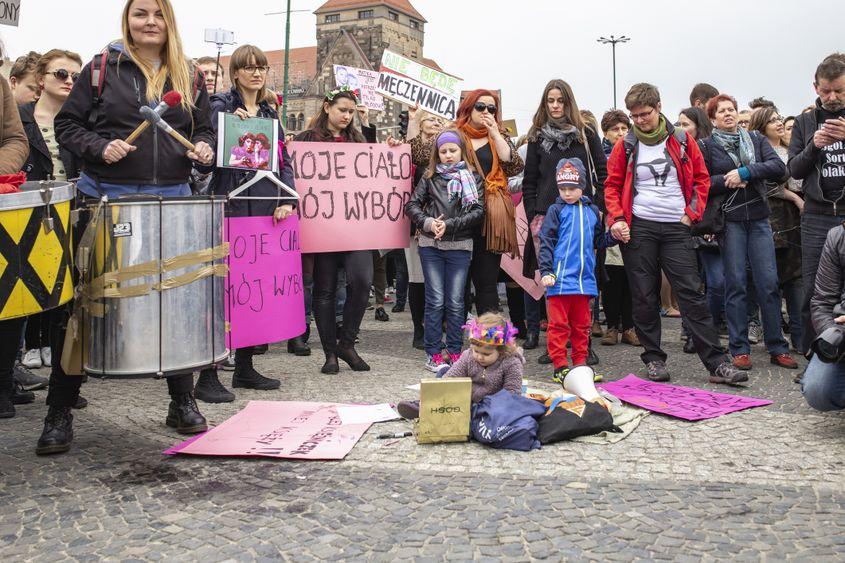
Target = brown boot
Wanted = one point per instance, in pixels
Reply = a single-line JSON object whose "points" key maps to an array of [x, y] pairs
{"points": [[611, 337], [630, 337], [596, 330]]}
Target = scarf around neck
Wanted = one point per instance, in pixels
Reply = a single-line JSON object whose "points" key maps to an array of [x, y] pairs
{"points": [[496, 179], [655, 137], [558, 133], [461, 183], [738, 145]]}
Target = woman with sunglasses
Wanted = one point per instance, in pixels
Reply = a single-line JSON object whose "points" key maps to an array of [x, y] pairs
{"points": [[479, 119], [55, 74]]}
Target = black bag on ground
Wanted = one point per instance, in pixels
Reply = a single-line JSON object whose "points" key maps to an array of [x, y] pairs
{"points": [[565, 420]]}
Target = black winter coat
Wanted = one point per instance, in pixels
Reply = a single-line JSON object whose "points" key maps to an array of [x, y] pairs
{"points": [[159, 159], [749, 203], [225, 180], [39, 165], [431, 200]]}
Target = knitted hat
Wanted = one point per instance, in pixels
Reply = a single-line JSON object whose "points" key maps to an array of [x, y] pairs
{"points": [[571, 172]]}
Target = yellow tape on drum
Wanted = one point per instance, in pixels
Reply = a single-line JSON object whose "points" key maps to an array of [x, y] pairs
{"points": [[35, 249]]}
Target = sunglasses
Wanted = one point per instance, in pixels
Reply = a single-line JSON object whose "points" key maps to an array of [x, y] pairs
{"points": [[480, 107], [63, 74]]}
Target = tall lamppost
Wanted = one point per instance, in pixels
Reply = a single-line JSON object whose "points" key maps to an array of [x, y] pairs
{"points": [[613, 41], [287, 53]]}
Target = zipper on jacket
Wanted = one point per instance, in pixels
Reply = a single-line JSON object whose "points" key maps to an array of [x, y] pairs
{"points": [[581, 243]]}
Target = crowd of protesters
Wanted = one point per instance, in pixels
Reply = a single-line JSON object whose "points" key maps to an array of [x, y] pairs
{"points": [[724, 211]]}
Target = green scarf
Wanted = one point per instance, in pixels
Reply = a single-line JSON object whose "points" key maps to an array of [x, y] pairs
{"points": [[655, 137]]}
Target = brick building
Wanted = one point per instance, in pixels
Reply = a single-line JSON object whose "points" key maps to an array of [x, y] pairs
{"points": [[352, 33]]}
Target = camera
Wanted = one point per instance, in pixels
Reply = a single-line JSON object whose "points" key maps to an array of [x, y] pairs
{"points": [[829, 346]]}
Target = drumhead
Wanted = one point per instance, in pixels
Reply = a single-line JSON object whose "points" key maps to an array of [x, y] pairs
{"points": [[31, 195]]}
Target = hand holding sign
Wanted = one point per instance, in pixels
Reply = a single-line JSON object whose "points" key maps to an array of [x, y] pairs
{"points": [[281, 213]]}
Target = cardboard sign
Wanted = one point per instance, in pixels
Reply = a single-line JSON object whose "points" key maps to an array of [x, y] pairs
{"points": [[363, 80], [247, 143], [264, 292], [353, 195], [409, 82], [513, 266], [10, 12], [281, 429], [444, 410], [681, 402]]}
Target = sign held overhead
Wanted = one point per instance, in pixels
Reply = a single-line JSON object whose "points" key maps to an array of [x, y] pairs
{"points": [[10, 12], [409, 82]]}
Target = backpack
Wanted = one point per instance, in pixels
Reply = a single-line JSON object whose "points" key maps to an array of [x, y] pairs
{"points": [[98, 82], [507, 421]]}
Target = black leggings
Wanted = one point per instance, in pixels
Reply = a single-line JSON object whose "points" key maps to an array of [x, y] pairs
{"points": [[38, 331], [484, 271], [10, 339], [416, 300], [616, 296], [358, 265]]}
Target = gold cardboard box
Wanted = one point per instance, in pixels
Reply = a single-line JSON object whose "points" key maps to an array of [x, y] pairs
{"points": [[444, 410]]}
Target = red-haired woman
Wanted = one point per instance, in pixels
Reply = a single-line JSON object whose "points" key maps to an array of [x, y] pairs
{"points": [[479, 119]]}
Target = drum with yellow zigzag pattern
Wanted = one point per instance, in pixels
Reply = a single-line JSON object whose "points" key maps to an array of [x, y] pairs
{"points": [[35, 249]]}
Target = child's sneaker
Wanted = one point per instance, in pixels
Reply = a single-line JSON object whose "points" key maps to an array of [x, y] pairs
{"points": [[409, 410], [435, 362], [560, 374], [454, 358]]}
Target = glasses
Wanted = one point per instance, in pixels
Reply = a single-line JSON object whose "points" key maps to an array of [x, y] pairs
{"points": [[775, 119], [480, 107], [251, 69], [62, 74], [643, 115]]}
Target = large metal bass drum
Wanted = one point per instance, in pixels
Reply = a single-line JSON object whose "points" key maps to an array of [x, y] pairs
{"points": [[35, 257], [154, 286]]}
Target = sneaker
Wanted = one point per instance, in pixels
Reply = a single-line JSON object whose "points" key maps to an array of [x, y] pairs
{"points": [[656, 371], [21, 397], [728, 374], [46, 357], [435, 362], [409, 410], [742, 361], [454, 358], [784, 361], [229, 364], [560, 374], [381, 314], [28, 380], [545, 359], [755, 333], [398, 308], [32, 358]]}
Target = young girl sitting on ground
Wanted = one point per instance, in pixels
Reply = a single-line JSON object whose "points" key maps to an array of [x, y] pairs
{"points": [[492, 361], [447, 207]]}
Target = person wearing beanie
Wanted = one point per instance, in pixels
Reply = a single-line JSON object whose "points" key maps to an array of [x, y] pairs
{"points": [[571, 230]]}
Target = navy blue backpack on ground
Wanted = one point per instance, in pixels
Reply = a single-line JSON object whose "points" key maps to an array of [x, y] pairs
{"points": [[507, 420]]}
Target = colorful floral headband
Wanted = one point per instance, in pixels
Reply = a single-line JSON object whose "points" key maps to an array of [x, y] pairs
{"points": [[500, 335], [331, 95]]}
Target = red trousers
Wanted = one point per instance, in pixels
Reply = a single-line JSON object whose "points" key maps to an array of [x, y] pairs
{"points": [[569, 320]]}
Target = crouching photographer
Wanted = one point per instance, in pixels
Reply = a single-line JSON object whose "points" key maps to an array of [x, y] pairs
{"points": [[824, 379]]}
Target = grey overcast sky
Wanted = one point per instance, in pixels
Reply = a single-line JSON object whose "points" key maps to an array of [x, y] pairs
{"points": [[745, 48]]}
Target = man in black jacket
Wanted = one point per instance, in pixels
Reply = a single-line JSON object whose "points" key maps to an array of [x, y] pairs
{"points": [[824, 383], [817, 156]]}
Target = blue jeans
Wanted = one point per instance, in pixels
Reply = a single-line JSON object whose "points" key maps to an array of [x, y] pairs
{"points": [[751, 242], [401, 266], [445, 273], [714, 275], [824, 385], [91, 187]]}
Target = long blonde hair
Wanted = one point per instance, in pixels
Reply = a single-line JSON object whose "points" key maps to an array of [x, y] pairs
{"points": [[174, 64]]}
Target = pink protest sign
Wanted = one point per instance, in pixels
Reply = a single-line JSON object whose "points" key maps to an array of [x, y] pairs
{"points": [[681, 402], [264, 294], [353, 195], [513, 266], [283, 429]]}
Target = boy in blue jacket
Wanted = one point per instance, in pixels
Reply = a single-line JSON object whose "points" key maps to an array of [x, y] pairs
{"points": [[570, 233]]}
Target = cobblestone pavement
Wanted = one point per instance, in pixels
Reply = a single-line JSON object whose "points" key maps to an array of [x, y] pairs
{"points": [[767, 483]]}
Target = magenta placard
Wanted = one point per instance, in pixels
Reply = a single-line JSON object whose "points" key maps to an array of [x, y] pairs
{"points": [[264, 294], [353, 195], [282, 429], [681, 402]]}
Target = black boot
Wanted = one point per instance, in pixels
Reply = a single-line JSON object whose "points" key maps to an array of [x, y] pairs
{"points": [[351, 357], [298, 346], [246, 377], [330, 367], [592, 359], [531, 341], [7, 409], [209, 389], [58, 432], [260, 349], [184, 415]]}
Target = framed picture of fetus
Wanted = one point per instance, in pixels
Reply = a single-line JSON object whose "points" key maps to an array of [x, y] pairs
{"points": [[249, 144]]}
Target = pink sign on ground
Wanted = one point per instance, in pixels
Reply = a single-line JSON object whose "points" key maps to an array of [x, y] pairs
{"points": [[264, 294], [353, 195], [513, 266], [283, 429], [681, 402]]}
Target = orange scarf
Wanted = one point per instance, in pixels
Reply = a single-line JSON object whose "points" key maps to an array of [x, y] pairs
{"points": [[499, 215]]}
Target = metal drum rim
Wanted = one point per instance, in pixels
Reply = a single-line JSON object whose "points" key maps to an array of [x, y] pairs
{"points": [[63, 192]]}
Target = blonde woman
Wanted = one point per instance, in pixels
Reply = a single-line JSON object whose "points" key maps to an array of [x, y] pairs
{"points": [[136, 71]]}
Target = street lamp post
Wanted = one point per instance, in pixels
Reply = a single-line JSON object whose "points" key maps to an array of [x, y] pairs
{"points": [[287, 53], [613, 41]]}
